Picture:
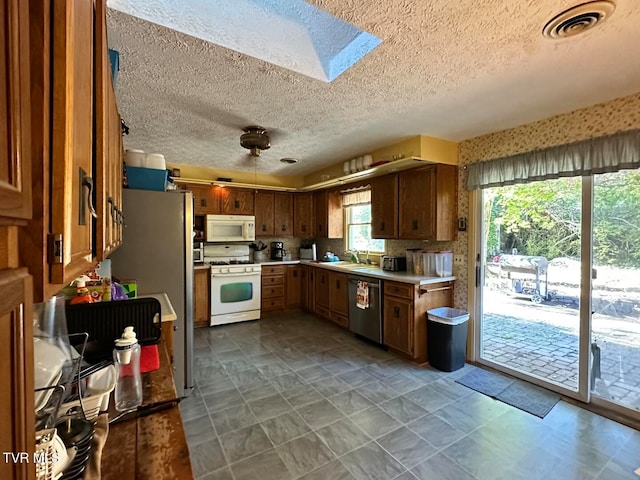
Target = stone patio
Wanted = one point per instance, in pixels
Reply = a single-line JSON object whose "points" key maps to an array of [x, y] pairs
{"points": [[542, 340]]}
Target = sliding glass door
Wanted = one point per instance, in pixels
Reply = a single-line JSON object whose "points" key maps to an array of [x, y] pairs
{"points": [[559, 294], [615, 339], [531, 281]]}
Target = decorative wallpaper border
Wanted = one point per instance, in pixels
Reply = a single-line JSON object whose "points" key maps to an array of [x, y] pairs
{"points": [[617, 115]]}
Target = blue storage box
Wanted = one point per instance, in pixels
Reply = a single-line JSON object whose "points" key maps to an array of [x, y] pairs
{"points": [[146, 178], [114, 59]]}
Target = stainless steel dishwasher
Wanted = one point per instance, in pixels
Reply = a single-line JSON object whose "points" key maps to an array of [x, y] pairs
{"points": [[366, 321]]}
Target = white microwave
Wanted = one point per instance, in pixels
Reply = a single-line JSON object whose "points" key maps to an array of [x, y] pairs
{"points": [[231, 228]]}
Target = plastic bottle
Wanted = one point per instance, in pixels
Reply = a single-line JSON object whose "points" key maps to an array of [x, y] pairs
{"points": [[82, 292], [126, 357]]}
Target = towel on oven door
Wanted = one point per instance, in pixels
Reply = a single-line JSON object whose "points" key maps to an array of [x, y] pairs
{"points": [[362, 295]]}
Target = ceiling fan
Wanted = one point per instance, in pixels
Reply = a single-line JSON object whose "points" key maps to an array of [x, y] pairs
{"points": [[255, 139]]}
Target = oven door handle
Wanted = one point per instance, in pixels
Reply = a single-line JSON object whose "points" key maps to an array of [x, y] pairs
{"points": [[242, 274]]}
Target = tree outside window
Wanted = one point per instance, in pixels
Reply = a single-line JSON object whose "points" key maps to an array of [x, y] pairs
{"points": [[358, 222]]}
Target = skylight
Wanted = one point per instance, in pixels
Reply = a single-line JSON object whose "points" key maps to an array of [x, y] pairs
{"points": [[288, 33]]}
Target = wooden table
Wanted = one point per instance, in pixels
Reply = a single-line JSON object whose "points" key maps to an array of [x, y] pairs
{"points": [[152, 447]]}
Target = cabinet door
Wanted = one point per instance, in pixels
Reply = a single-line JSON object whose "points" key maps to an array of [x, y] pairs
{"points": [[16, 381], [322, 214], [417, 203], [15, 127], [329, 215], [283, 215], [338, 293], [303, 220], [107, 144], [294, 286], [205, 199], [201, 295], [322, 288], [72, 139], [308, 288], [238, 201], [446, 200], [264, 214], [384, 206], [398, 321]]}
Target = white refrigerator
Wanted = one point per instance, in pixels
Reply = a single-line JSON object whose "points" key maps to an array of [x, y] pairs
{"points": [[157, 252]]}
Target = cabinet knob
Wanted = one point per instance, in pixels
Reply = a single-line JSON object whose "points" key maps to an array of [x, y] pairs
{"points": [[382, 226], [337, 284], [284, 228], [303, 228], [264, 227], [236, 204], [414, 224], [396, 312]]}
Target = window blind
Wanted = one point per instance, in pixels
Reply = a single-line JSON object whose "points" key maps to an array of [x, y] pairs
{"points": [[597, 155], [360, 196]]}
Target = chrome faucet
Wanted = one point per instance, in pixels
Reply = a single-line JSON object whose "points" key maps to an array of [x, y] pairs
{"points": [[354, 256]]}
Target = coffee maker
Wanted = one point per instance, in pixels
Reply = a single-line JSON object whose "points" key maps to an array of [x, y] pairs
{"points": [[277, 251]]}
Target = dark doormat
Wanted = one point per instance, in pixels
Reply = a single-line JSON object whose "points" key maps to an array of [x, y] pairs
{"points": [[517, 393]]}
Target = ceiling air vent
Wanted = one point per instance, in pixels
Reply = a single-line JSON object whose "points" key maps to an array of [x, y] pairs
{"points": [[578, 19]]}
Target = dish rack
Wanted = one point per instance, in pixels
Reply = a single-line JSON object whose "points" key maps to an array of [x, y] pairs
{"points": [[46, 454], [95, 398]]}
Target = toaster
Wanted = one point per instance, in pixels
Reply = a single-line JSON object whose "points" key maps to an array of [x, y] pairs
{"points": [[394, 264]]}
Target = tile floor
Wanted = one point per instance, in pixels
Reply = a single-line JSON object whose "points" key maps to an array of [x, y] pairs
{"points": [[294, 397]]}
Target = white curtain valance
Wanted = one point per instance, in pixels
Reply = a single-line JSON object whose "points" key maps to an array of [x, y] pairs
{"points": [[597, 155], [359, 196]]}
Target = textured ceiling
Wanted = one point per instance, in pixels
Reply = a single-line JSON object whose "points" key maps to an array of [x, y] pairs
{"points": [[446, 69], [292, 33]]}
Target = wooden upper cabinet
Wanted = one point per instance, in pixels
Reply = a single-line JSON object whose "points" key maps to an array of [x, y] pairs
{"points": [[329, 215], [237, 201], [108, 146], [72, 179], [206, 200], [265, 211], [303, 218], [417, 206], [15, 124], [283, 214], [427, 201], [384, 206]]}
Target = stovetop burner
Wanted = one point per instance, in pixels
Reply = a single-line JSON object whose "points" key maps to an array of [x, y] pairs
{"points": [[231, 262]]}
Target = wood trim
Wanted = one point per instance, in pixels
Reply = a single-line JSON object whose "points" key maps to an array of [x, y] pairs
{"points": [[17, 430]]}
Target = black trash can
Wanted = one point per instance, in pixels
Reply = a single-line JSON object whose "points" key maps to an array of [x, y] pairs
{"points": [[447, 338]]}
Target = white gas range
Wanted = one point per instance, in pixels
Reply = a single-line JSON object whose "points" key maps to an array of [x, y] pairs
{"points": [[235, 284]]}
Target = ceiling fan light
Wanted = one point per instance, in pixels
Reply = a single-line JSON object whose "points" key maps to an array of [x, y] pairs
{"points": [[289, 160]]}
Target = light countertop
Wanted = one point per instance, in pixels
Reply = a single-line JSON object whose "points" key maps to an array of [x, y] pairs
{"points": [[376, 272], [168, 313], [361, 270]]}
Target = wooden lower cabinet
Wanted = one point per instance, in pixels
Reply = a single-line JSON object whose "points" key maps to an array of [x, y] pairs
{"points": [[293, 292], [339, 298], [398, 324], [281, 288], [405, 315], [307, 293], [273, 286], [201, 297], [321, 292]]}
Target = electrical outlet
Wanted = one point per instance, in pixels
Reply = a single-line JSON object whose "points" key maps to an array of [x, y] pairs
{"points": [[459, 260]]}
